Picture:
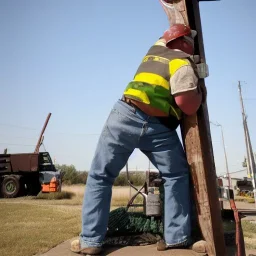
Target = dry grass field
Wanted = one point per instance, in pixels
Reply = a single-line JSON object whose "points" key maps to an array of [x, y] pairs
{"points": [[31, 226]]}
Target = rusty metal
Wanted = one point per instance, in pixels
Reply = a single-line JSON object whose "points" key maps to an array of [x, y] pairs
{"points": [[240, 247], [42, 133], [18, 162], [130, 203], [151, 196]]}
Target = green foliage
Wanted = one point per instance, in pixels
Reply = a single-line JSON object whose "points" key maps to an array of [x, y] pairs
{"points": [[251, 200], [137, 179], [121, 180], [82, 177], [71, 176], [55, 196], [121, 221]]}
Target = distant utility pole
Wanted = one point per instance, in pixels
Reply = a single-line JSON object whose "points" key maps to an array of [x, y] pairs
{"points": [[225, 153], [249, 168], [250, 155]]}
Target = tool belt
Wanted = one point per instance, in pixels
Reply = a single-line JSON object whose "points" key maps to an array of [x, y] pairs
{"points": [[170, 121]]}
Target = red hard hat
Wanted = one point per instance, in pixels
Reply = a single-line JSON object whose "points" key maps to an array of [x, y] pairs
{"points": [[176, 31]]}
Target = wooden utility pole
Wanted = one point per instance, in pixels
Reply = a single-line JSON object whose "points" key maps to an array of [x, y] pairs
{"points": [[225, 152], [226, 159], [249, 168], [250, 155], [197, 140]]}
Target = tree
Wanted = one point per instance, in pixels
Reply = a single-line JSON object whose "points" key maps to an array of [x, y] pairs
{"points": [[82, 177], [71, 176]]}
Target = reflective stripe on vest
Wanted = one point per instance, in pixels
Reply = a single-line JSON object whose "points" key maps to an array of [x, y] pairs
{"points": [[176, 64], [152, 79]]}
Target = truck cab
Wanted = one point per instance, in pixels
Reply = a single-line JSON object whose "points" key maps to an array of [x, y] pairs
{"points": [[49, 176]]}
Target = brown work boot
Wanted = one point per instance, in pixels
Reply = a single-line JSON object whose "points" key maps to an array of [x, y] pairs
{"points": [[76, 247], [200, 247], [162, 246]]}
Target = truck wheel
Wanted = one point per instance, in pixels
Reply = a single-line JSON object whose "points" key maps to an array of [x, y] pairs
{"points": [[10, 186]]}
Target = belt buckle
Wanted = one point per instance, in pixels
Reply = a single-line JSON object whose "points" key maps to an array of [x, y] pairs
{"points": [[129, 102], [126, 100]]}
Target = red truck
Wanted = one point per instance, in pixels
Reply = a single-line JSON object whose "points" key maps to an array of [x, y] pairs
{"points": [[28, 173]]}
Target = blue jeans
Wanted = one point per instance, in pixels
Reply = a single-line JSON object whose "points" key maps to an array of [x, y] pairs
{"points": [[128, 128]]}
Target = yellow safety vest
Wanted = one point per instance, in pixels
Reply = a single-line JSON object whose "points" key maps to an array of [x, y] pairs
{"points": [[151, 83]]}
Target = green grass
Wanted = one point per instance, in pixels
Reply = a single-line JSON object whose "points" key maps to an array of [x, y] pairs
{"points": [[249, 230], [55, 196], [28, 229], [33, 225], [30, 225], [122, 200]]}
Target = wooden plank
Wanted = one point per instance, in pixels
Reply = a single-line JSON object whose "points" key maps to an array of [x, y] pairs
{"points": [[197, 140]]}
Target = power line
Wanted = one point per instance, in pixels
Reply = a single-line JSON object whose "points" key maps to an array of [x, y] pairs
{"points": [[249, 99], [244, 170], [17, 137], [60, 133], [10, 144], [18, 126], [75, 134]]}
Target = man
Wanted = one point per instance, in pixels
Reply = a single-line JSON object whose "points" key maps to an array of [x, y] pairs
{"points": [[164, 87]]}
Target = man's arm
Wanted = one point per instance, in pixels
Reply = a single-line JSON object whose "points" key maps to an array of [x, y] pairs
{"points": [[189, 102], [185, 90]]}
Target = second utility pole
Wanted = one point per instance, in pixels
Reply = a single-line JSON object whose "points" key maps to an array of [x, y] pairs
{"points": [[250, 157]]}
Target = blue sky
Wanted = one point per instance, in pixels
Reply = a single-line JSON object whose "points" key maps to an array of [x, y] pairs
{"points": [[74, 59]]}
